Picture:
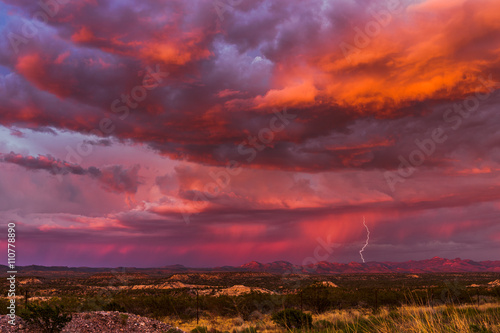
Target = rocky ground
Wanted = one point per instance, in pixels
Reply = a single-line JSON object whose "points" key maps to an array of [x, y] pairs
{"points": [[100, 321]]}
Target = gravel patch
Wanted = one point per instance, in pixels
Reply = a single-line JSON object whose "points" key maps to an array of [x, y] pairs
{"points": [[100, 321]]}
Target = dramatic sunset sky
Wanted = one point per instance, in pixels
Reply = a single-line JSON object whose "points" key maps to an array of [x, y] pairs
{"points": [[206, 133]]}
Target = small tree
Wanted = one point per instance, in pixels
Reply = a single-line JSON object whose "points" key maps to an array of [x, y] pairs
{"points": [[292, 318], [45, 317]]}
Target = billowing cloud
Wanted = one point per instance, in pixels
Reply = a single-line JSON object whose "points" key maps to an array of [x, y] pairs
{"points": [[113, 178], [241, 68]]}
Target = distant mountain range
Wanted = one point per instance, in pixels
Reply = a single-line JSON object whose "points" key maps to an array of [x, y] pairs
{"points": [[434, 265]]}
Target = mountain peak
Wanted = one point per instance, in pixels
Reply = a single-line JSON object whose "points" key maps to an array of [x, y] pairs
{"points": [[252, 265], [435, 264]]}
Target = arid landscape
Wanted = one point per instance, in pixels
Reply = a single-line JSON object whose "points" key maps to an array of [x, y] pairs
{"points": [[165, 300], [250, 166]]}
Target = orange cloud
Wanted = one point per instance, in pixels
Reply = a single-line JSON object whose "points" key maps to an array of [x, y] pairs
{"points": [[302, 94], [423, 53]]}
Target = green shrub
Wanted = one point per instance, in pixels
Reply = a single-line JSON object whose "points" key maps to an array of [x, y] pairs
{"points": [[123, 319], [479, 329], [4, 303], [199, 329], [250, 329], [50, 319], [292, 318], [214, 330], [113, 306], [323, 324]]}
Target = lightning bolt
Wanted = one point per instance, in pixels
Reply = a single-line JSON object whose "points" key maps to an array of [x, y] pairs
{"points": [[367, 239]]}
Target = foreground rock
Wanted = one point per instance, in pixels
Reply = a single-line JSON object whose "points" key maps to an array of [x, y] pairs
{"points": [[100, 321]]}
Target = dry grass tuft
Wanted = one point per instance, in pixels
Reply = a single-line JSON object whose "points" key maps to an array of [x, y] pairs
{"points": [[417, 319]]}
